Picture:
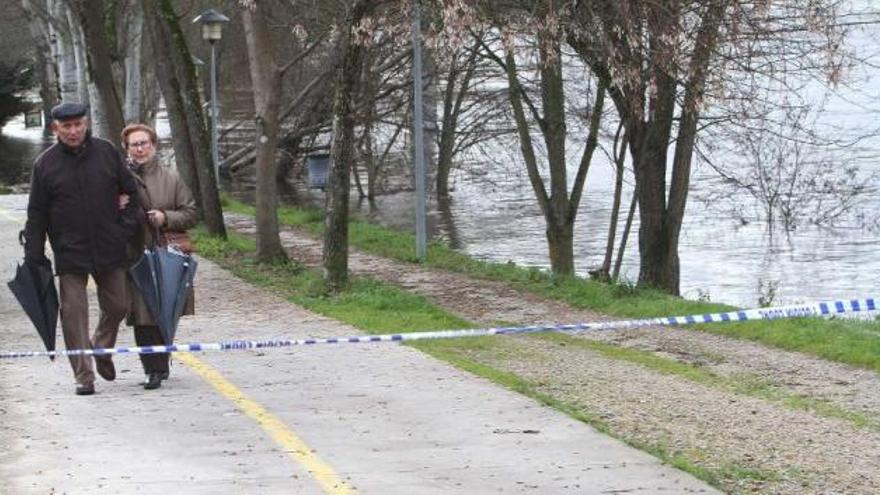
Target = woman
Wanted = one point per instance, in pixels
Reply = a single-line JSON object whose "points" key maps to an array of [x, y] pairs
{"points": [[169, 209]]}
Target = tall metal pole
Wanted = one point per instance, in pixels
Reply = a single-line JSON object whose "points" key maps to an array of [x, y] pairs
{"points": [[215, 154], [418, 133]]}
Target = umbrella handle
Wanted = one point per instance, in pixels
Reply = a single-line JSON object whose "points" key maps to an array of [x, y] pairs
{"points": [[155, 239], [157, 235]]}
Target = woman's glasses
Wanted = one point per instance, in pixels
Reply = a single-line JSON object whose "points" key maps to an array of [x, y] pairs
{"points": [[140, 144]]}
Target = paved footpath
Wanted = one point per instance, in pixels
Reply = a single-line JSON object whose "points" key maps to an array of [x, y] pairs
{"points": [[367, 418]]}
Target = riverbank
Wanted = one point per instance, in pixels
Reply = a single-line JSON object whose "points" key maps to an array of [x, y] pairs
{"points": [[733, 412]]}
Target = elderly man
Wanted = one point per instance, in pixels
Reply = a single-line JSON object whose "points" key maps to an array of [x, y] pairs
{"points": [[74, 200]]}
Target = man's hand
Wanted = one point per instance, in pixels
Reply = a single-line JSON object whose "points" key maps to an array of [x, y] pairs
{"points": [[157, 217], [123, 200], [38, 261]]}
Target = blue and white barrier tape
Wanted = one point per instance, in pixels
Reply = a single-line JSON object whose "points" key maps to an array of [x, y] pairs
{"points": [[820, 309]]}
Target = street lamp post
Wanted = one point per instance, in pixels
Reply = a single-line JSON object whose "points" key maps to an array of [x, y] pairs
{"points": [[212, 31], [418, 135]]}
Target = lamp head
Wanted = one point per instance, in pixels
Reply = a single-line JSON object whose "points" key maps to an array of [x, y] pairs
{"points": [[212, 24]]}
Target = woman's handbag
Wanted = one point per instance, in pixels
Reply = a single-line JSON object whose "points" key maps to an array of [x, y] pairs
{"points": [[178, 239]]}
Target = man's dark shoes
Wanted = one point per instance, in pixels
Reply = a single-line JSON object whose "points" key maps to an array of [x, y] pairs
{"points": [[104, 365], [85, 389], [153, 381]]}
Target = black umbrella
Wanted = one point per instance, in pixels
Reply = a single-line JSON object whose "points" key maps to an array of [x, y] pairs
{"points": [[34, 287], [163, 276]]}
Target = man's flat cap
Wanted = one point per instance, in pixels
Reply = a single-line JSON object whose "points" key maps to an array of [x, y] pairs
{"points": [[69, 110]]}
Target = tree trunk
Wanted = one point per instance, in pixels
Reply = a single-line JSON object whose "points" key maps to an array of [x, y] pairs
{"points": [[168, 35], [444, 158], [558, 227], [447, 222], [658, 267], [266, 81], [452, 101], [64, 51], [133, 73], [430, 99], [368, 101], [80, 56], [48, 85], [560, 224], [647, 104], [560, 240], [373, 171], [89, 13], [624, 236], [169, 86], [98, 112], [335, 256], [707, 38], [151, 95], [195, 117], [348, 70], [661, 221], [559, 209], [619, 160], [41, 31]]}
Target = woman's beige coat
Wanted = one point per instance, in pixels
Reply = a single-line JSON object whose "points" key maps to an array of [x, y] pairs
{"points": [[160, 188]]}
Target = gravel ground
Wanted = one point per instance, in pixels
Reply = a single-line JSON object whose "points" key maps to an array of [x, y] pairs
{"points": [[754, 445]]}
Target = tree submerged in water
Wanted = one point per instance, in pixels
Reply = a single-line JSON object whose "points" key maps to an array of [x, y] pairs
{"points": [[15, 78], [796, 174]]}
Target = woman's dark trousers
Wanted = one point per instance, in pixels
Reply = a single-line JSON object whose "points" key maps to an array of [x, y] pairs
{"points": [[145, 335]]}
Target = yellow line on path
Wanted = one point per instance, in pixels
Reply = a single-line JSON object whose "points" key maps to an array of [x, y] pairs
{"points": [[331, 483]]}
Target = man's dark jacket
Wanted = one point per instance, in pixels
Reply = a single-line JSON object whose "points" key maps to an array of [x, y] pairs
{"points": [[74, 200]]}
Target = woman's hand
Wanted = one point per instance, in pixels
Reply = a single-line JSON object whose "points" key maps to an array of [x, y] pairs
{"points": [[157, 217]]}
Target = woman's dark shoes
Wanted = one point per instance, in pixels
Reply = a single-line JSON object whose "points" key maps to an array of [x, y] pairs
{"points": [[153, 381], [85, 389], [104, 365]]}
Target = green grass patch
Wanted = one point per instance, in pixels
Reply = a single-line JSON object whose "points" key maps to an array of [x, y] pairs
{"points": [[367, 304], [852, 342], [4, 189], [217, 248], [380, 308]]}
